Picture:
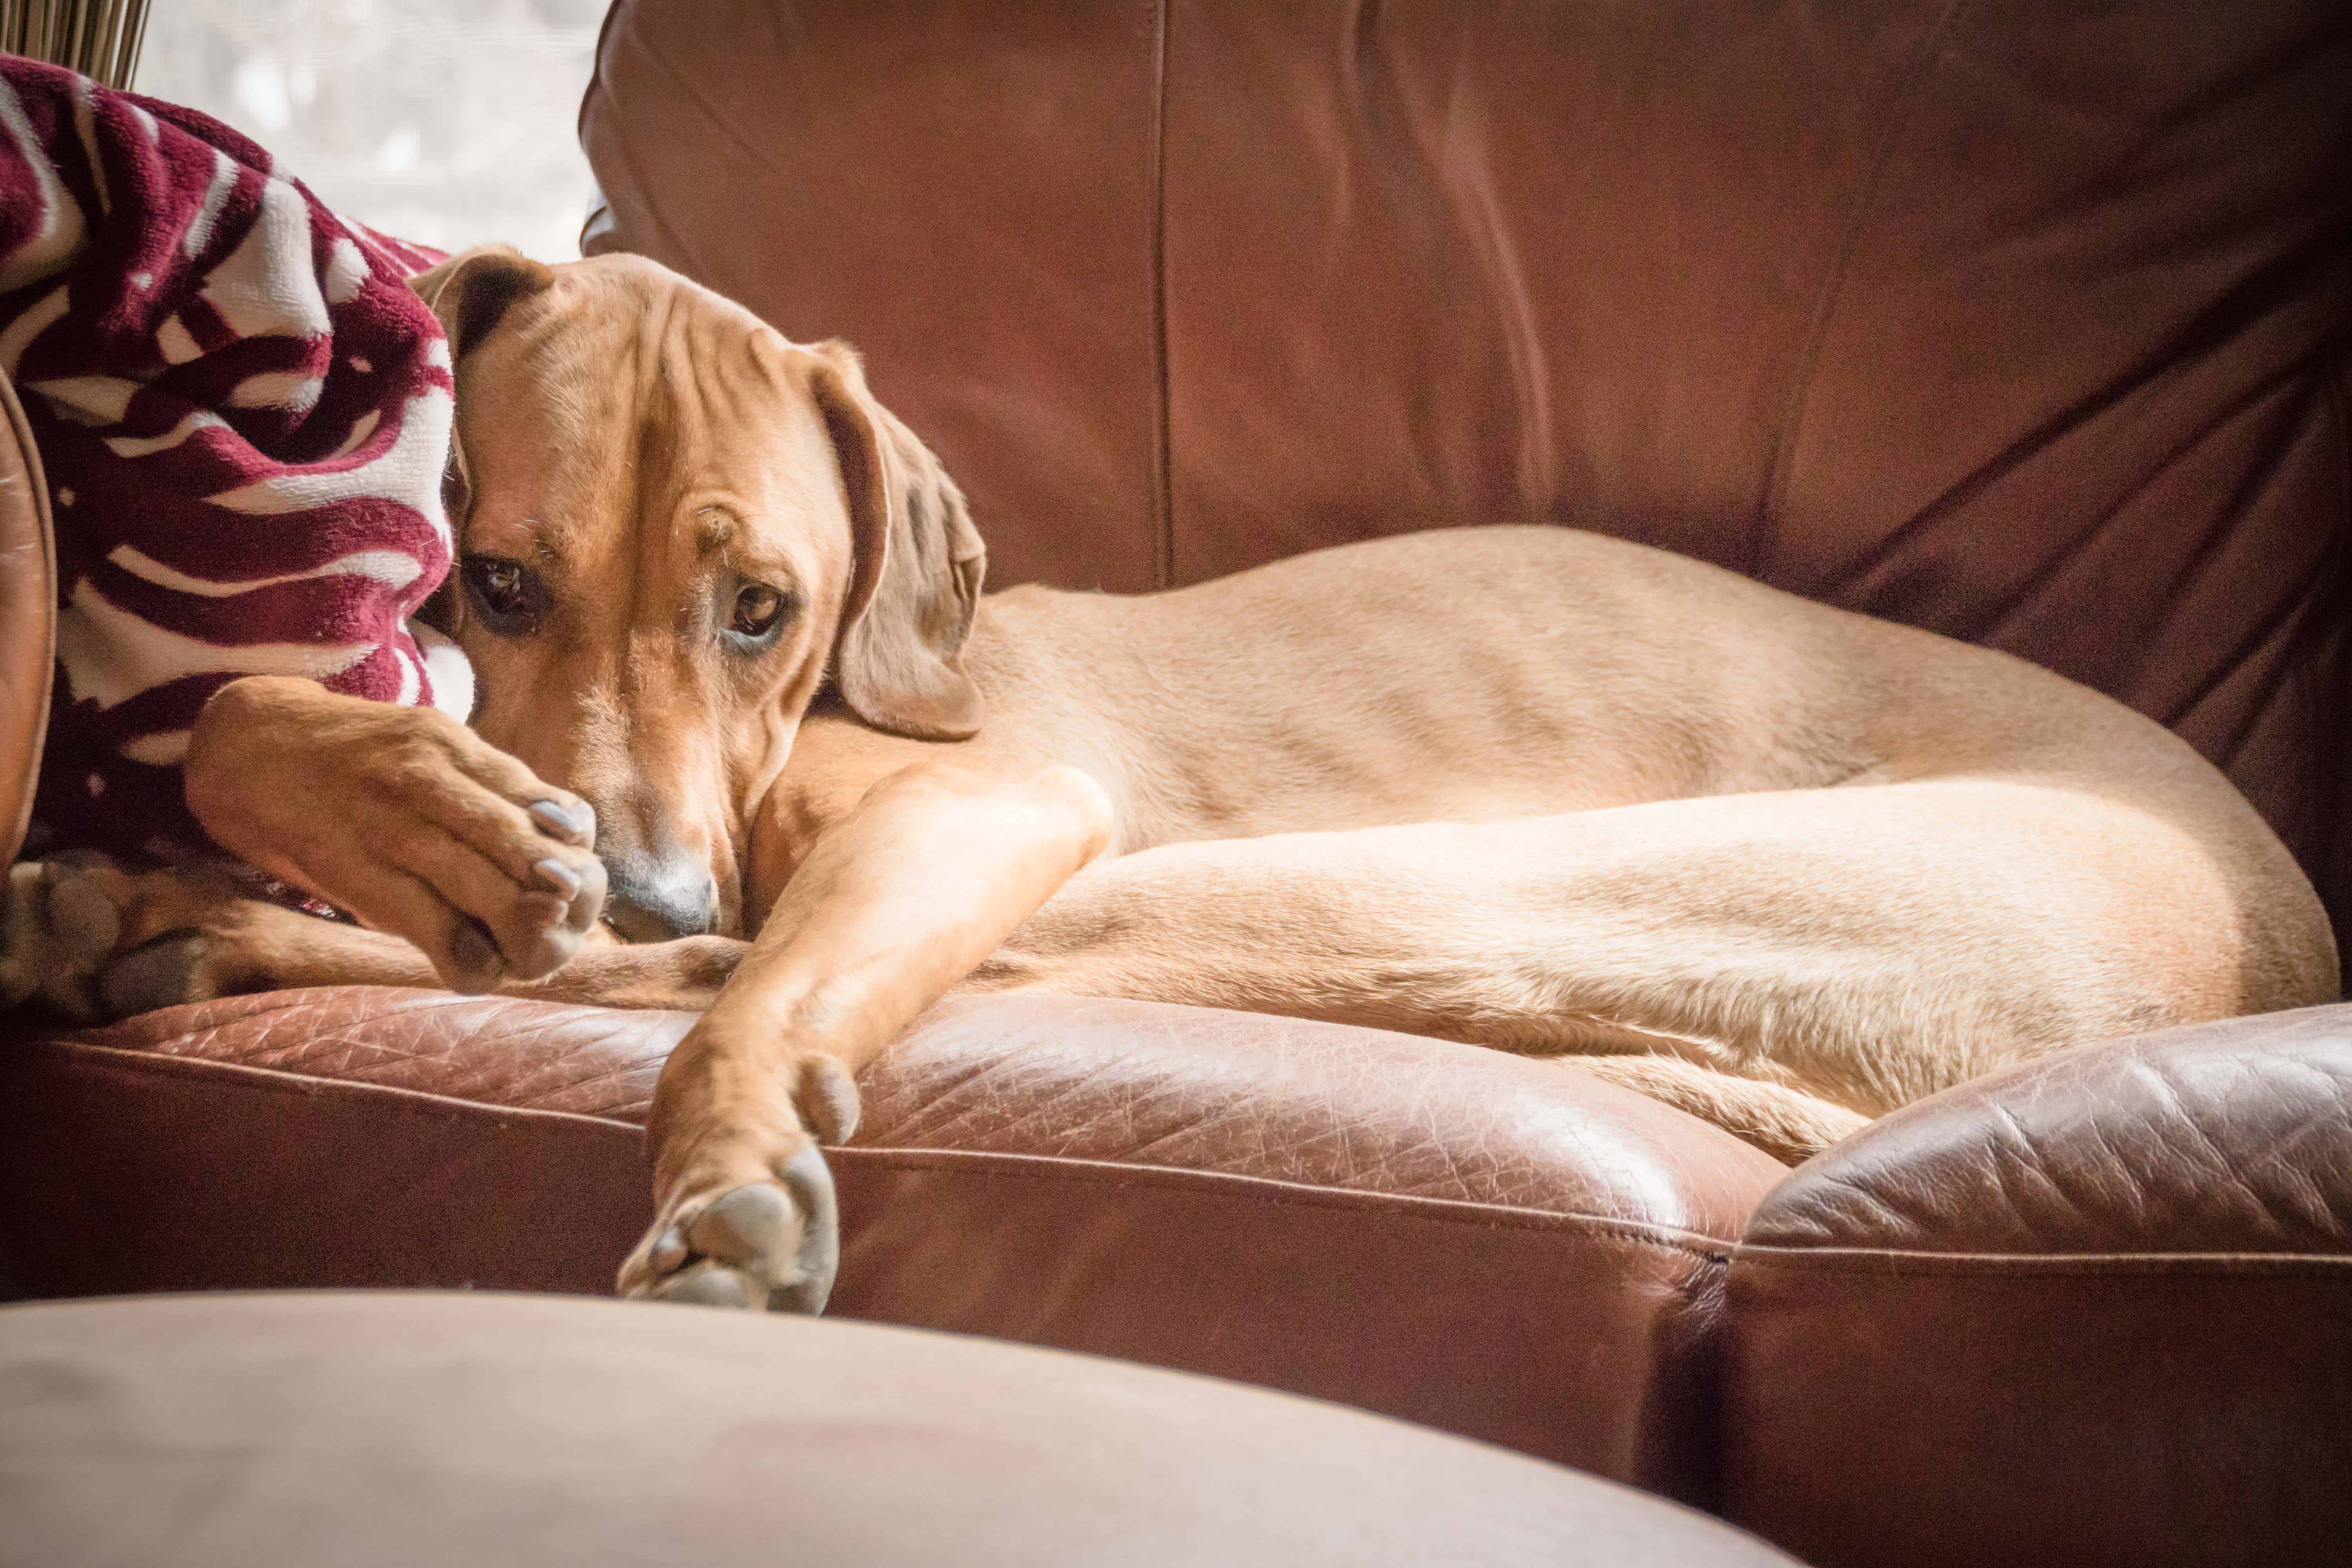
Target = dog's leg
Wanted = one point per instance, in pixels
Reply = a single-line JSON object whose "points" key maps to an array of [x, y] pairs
{"points": [[891, 906], [87, 940], [84, 938], [1860, 947], [1786, 1123], [404, 817]]}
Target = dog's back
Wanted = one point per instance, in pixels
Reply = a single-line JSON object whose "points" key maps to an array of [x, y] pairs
{"points": [[1487, 674]]}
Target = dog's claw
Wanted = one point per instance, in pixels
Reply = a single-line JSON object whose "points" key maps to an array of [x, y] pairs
{"points": [[479, 961], [710, 1284], [765, 1244], [669, 1251], [576, 827]]}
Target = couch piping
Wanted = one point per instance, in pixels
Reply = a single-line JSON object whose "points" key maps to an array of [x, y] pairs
{"points": [[1898, 1262], [1474, 1212]]}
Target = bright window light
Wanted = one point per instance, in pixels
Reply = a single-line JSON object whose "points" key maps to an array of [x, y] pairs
{"points": [[449, 122]]}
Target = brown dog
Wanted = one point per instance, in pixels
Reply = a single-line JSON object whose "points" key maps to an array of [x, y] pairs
{"points": [[1781, 866]]}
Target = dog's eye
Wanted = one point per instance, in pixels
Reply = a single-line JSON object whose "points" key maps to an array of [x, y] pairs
{"points": [[508, 591], [502, 586], [758, 608]]}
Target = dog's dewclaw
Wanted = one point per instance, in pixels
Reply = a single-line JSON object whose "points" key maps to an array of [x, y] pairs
{"points": [[826, 1098]]}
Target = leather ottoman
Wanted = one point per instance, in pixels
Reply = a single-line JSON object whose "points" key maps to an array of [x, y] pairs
{"points": [[519, 1431]]}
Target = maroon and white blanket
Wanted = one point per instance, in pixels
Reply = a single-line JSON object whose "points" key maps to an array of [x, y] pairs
{"points": [[243, 412]]}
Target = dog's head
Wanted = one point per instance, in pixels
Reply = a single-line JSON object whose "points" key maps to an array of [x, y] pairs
{"points": [[673, 528]]}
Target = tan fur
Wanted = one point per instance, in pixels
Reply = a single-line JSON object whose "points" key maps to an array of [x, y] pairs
{"points": [[1780, 865]]}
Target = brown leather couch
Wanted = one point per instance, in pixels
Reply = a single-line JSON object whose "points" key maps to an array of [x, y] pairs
{"points": [[2028, 322]]}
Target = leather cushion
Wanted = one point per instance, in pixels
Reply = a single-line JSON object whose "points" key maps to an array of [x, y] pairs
{"points": [[1499, 1246], [2096, 1310], [349, 1429]]}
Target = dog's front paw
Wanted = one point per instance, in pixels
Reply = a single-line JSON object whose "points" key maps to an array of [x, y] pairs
{"points": [[405, 818], [771, 1244], [746, 1215]]}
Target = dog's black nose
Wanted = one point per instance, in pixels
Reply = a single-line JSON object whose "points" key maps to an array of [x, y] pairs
{"points": [[651, 901]]}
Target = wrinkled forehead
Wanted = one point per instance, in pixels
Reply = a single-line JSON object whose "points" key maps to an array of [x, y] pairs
{"points": [[625, 386]]}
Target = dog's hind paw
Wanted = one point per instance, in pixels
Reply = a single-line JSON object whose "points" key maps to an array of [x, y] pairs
{"points": [[60, 921], [84, 939], [774, 1244]]}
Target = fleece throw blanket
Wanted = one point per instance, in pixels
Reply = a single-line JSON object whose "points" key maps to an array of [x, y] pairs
{"points": [[243, 412]]}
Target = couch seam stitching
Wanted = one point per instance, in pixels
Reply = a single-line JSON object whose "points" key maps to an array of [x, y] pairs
{"points": [[1058, 1168], [1063, 1168], [1163, 499], [1914, 1260]]}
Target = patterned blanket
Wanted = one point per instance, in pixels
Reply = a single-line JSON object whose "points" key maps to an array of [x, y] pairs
{"points": [[243, 412]]}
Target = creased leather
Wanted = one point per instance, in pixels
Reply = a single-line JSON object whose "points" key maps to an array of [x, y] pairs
{"points": [[965, 191], [2229, 1138], [1505, 1247], [2096, 1310], [1065, 1078]]}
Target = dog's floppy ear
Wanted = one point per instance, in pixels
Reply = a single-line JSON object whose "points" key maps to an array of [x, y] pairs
{"points": [[474, 288], [469, 293], [897, 661]]}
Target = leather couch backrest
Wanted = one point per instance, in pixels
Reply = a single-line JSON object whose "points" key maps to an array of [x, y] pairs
{"points": [[2024, 321], [28, 594]]}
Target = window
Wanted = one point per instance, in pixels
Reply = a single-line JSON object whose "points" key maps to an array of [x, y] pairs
{"points": [[449, 122]]}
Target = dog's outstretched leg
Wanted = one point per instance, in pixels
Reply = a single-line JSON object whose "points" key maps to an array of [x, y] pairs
{"points": [[891, 907], [84, 939]]}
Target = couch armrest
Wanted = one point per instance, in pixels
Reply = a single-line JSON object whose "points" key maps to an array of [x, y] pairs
{"points": [[29, 603], [2094, 1310]]}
